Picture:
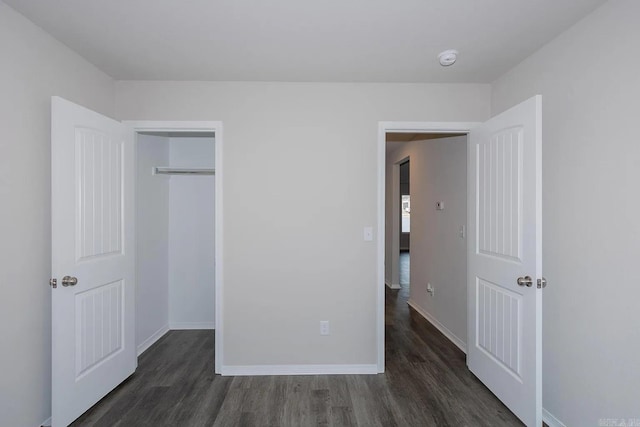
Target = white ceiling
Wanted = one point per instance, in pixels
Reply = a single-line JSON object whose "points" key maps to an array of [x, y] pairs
{"points": [[301, 40]]}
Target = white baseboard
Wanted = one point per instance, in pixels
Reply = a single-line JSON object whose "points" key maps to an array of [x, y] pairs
{"points": [[256, 370], [551, 421], [172, 326], [46, 423], [191, 325], [392, 285], [446, 332], [152, 339]]}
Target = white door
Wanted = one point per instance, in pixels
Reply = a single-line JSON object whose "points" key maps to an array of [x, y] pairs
{"points": [[505, 314], [93, 335]]}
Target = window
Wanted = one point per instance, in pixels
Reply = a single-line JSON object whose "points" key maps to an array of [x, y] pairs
{"points": [[406, 213]]}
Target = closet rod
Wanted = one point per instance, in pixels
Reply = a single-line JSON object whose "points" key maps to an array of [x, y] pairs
{"points": [[182, 171]]}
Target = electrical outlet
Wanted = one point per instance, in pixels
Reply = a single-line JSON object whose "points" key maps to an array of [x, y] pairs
{"points": [[324, 327]]}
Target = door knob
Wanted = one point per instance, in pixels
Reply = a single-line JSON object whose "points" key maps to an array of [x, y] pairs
{"points": [[522, 281], [69, 281]]}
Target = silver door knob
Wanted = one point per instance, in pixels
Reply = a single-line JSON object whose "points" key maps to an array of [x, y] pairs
{"points": [[522, 281], [69, 281]]}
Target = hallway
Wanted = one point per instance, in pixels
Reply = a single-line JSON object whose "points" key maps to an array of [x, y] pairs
{"points": [[426, 384]]}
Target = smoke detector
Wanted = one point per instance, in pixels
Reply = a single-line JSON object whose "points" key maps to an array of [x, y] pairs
{"points": [[448, 57]]}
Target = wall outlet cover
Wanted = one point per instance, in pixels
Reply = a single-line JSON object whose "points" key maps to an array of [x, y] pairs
{"points": [[324, 327]]}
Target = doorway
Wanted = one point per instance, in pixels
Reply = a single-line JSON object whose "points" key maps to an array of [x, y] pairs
{"points": [[504, 250], [405, 225], [175, 233], [179, 229], [94, 247], [394, 141], [426, 200]]}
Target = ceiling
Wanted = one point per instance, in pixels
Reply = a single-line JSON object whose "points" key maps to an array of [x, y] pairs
{"points": [[300, 40], [179, 134], [416, 136], [395, 140]]}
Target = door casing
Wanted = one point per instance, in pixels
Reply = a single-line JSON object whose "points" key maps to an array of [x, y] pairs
{"points": [[383, 129], [200, 126], [394, 263]]}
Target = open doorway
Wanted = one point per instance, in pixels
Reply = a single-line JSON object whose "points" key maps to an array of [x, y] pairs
{"points": [[179, 229], [95, 231], [504, 251], [175, 233], [425, 227], [405, 225]]}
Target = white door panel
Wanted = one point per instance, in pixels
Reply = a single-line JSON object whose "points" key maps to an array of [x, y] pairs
{"points": [[93, 342], [505, 318]]}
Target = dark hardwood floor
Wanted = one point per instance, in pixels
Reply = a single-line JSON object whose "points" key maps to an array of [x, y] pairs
{"points": [[426, 384], [405, 268]]}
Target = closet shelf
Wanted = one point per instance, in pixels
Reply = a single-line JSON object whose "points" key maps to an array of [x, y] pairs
{"points": [[182, 171]]}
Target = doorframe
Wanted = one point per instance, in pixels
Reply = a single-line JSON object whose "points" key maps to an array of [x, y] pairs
{"points": [[216, 128], [398, 127], [396, 218]]}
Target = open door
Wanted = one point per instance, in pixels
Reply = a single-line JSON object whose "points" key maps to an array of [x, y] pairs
{"points": [[93, 334], [505, 263]]}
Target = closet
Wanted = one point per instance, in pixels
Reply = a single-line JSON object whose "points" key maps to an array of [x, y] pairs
{"points": [[175, 233]]}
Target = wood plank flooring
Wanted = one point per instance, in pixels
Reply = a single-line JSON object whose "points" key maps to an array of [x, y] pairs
{"points": [[426, 384], [405, 268]]}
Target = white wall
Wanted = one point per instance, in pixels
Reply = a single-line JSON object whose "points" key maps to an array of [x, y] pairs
{"points": [[293, 247], [590, 81], [438, 253], [152, 239], [192, 236], [34, 67]]}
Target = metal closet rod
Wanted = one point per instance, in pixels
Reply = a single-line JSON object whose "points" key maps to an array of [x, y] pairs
{"points": [[182, 171]]}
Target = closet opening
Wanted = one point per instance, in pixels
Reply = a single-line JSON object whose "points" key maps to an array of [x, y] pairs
{"points": [[175, 233]]}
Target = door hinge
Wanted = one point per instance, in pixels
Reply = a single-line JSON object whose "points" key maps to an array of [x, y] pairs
{"points": [[542, 283], [53, 283]]}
